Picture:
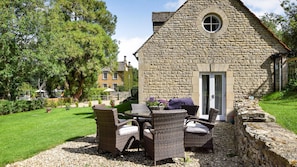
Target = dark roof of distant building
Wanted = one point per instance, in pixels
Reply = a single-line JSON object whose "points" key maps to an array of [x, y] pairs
{"points": [[121, 67]]}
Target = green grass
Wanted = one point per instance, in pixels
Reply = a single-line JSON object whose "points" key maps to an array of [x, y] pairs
{"points": [[25, 134], [283, 107]]}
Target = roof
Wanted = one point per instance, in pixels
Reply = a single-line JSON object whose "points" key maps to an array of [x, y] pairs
{"points": [[121, 67], [161, 16]]}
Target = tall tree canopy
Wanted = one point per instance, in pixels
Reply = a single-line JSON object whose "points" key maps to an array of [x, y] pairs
{"points": [[61, 42], [289, 23], [284, 26], [83, 39], [20, 25]]}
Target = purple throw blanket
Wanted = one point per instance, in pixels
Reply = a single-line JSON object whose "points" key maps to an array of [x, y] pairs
{"points": [[176, 103]]}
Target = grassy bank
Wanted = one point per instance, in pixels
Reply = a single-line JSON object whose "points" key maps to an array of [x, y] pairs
{"points": [[283, 107], [26, 134]]}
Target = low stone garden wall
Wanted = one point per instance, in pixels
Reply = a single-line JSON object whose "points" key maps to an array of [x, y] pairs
{"points": [[260, 141]]}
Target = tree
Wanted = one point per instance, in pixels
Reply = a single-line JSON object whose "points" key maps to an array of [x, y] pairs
{"points": [[82, 36], [58, 42], [19, 38], [273, 23], [289, 23], [135, 76], [284, 26], [128, 78]]}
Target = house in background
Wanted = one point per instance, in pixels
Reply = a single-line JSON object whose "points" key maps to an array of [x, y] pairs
{"points": [[214, 51], [113, 79]]}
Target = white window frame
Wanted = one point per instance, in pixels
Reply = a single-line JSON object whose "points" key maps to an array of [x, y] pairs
{"points": [[105, 75], [115, 75], [212, 17], [221, 116]]}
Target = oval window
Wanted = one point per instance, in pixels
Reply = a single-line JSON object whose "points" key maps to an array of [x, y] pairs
{"points": [[212, 23]]}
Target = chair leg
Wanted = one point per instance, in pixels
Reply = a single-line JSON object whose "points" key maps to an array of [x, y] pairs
{"points": [[144, 152]]}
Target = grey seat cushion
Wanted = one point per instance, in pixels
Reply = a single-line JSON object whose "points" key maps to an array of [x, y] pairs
{"points": [[147, 133], [128, 129], [193, 127]]}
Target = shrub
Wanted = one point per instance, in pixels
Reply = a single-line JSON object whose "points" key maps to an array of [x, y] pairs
{"points": [[21, 105], [67, 106], [93, 93], [5, 107], [292, 85], [60, 102], [8, 107]]}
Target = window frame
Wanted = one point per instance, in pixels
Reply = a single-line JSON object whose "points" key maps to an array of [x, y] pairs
{"points": [[212, 17], [105, 75], [115, 76], [115, 86]]}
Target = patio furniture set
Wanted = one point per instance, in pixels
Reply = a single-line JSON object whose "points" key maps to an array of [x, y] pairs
{"points": [[162, 133]]}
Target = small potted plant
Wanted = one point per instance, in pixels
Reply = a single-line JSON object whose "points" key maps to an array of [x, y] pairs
{"points": [[152, 103], [112, 103], [67, 106], [48, 109]]}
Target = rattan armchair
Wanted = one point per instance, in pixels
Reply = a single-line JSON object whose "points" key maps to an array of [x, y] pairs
{"points": [[164, 138], [140, 108], [199, 132], [97, 107], [115, 136], [191, 109]]}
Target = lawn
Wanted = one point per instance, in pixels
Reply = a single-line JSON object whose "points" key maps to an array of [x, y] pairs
{"points": [[284, 110], [26, 134]]}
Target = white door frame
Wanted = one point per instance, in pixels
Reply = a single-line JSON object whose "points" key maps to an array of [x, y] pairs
{"points": [[212, 96]]}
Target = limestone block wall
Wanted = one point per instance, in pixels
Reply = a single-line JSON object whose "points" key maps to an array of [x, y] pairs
{"points": [[260, 141]]}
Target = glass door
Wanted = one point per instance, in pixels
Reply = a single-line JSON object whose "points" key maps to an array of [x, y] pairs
{"points": [[212, 88]]}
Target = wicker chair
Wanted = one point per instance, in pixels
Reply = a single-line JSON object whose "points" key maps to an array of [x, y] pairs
{"points": [[97, 107], [102, 106], [199, 132], [140, 108], [191, 109], [165, 137], [115, 136]]}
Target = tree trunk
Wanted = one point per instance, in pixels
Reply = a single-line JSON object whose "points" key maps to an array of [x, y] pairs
{"points": [[79, 90], [78, 93]]}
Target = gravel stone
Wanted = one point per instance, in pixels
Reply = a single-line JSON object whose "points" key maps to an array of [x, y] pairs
{"points": [[82, 152]]}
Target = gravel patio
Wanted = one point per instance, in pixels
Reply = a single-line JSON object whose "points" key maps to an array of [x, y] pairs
{"points": [[83, 152]]}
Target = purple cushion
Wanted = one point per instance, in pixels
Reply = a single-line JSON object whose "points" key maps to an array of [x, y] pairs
{"points": [[176, 103]]}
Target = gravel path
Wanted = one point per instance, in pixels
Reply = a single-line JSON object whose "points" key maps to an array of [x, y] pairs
{"points": [[83, 153]]}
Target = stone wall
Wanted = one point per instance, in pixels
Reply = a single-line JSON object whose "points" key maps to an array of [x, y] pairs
{"points": [[260, 141]]}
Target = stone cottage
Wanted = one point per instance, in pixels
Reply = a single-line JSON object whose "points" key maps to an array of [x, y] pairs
{"points": [[214, 51], [110, 78]]}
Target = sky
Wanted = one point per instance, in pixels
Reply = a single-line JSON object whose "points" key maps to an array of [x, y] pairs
{"points": [[134, 20]]}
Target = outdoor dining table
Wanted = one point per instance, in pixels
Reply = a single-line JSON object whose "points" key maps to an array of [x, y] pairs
{"points": [[138, 116]]}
